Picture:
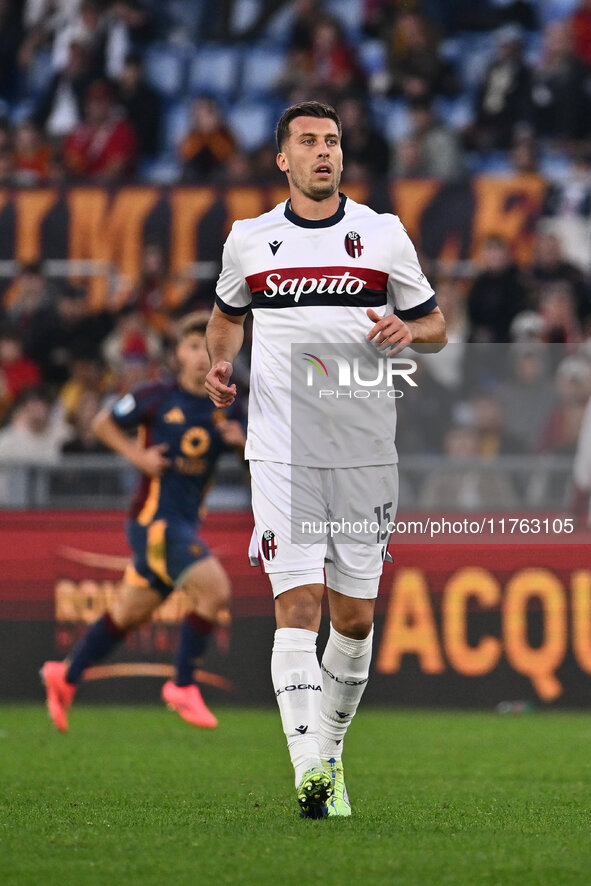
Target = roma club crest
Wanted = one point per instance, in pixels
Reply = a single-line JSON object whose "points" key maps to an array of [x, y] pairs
{"points": [[353, 244]]}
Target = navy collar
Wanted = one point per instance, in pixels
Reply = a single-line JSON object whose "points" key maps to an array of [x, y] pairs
{"points": [[317, 222]]}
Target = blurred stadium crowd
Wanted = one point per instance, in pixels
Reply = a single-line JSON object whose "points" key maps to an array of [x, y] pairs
{"points": [[120, 91]]}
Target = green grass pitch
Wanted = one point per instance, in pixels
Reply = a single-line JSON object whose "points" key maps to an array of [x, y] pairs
{"points": [[136, 796]]}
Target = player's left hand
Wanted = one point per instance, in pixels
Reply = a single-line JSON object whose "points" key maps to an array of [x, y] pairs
{"points": [[389, 333], [232, 433]]}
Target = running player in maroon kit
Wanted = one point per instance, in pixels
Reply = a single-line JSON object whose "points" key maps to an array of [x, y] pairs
{"points": [[181, 437]]}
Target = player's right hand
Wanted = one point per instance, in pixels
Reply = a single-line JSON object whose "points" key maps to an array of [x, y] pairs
{"points": [[216, 384], [152, 461]]}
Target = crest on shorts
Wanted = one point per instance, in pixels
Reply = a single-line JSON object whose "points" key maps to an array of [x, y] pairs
{"points": [[268, 544], [353, 244]]}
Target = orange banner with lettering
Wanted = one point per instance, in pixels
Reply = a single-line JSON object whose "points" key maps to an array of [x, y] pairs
{"points": [[111, 227]]}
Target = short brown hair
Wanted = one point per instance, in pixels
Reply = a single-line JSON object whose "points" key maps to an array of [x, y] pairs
{"points": [[195, 322], [304, 109]]}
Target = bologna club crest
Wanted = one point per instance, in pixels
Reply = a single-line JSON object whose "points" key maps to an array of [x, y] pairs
{"points": [[268, 544], [353, 244]]}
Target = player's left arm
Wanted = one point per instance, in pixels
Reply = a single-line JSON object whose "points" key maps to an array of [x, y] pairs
{"points": [[413, 318], [391, 333]]}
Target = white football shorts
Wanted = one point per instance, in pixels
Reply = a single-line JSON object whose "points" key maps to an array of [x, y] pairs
{"points": [[312, 523]]}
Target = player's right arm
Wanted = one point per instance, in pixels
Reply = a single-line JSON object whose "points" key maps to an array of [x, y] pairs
{"points": [[225, 334], [225, 331], [110, 426]]}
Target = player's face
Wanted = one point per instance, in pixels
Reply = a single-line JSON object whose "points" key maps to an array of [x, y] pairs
{"points": [[193, 358], [312, 157]]}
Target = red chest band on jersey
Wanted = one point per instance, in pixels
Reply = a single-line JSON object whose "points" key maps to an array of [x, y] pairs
{"points": [[296, 282]]}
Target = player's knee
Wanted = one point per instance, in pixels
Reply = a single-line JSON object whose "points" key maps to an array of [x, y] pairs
{"points": [[222, 593], [356, 626], [299, 608], [128, 620]]}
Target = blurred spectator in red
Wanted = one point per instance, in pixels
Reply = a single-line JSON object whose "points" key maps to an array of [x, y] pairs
{"points": [[59, 109], [416, 69], [503, 99], [34, 433], [141, 104], [581, 30], [103, 147], [561, 88], [132, 341], [17, 371], [32, 156], [366, 150], [550, 266], [208, 145], [558, 311], [573, 385], [497, 294], [334, 63], [432, 149]]}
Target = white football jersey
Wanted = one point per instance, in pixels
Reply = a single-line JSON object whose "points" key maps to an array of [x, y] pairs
{"points": [[309, 283]]}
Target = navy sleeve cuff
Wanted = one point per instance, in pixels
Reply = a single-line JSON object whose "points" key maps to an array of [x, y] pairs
{"points": [[228, 309], [419, 310]]}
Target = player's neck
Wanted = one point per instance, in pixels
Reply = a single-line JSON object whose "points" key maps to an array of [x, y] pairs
{"points": [[314, 210], [193, 387]]}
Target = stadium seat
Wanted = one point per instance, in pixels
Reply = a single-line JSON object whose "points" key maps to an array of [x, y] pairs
{"points": [[348, 12], [373, 57], [456, 112], [261, 71], [164, 170], [476, 53], [252, 124], [550, 10], [243, 15], [278, 28], [165, 69], [214, 70], [176, 124], [394, 119], [493, 163], [39, 74]]}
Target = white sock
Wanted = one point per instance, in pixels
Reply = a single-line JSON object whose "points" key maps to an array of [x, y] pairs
{"points": [[345, 670], [298, 688]]}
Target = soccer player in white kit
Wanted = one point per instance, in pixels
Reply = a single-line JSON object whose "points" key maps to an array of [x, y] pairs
{"points": [[318, 268]]}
